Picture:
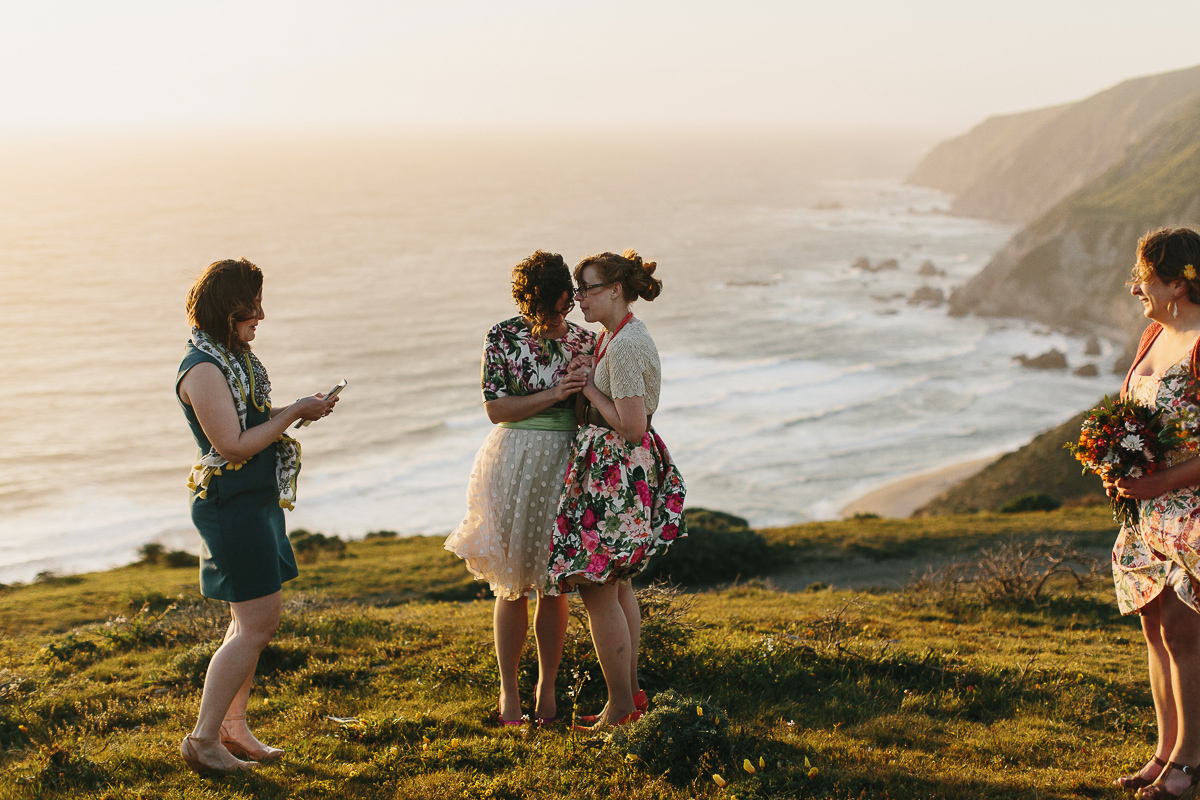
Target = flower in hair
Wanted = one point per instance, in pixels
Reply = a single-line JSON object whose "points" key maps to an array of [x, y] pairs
{"points": [[1189, 272]]}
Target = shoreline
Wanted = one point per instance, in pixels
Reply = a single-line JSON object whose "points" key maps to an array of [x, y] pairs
{"points": [[902, 497]]}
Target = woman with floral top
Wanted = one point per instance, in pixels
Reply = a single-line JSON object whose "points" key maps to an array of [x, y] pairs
{"points": [[623, 499], [532, 369], [1156, 562]]}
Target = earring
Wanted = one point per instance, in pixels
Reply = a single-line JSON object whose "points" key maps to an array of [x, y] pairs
{"points": [[1175, 310]]}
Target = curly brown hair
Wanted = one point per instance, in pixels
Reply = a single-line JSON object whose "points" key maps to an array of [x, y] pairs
{"points": [[1167, 253], [635, 276], [227, 292], [538, 285]]}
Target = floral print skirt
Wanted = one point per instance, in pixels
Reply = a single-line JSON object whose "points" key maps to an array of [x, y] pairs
{"points": [[1162, 551], [512, 499], [621, 504]]}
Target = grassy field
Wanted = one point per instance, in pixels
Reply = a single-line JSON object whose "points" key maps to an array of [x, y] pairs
{"points": [[382, 682]]}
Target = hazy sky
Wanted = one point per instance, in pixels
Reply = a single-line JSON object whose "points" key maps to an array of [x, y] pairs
{"points": [[940, 65]]}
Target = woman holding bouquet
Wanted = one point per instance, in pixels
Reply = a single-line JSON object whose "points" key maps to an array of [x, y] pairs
{"points": [[623, 497], [1156, 560], [532, 370]]}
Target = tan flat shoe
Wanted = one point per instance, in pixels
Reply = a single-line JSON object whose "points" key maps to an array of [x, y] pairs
{"points": [[199, 765], [264, 753]]}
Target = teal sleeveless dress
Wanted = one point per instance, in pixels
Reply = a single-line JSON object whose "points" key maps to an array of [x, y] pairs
{"points": [[246, 553]]}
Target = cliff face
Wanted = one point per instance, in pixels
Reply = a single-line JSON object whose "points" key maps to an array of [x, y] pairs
{"points": [[958, 164], [1068, 268], [1016, 167]]}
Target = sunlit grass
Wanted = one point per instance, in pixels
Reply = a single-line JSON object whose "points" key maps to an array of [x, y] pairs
{"points": [[825, 693]]}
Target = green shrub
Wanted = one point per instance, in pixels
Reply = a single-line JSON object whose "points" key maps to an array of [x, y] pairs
{"points": [[1034, 501], [192, 664], [718, 547], [70, 649], [309, 545], [151, 552], [181, 558], [155, 554], [381, 535], [678, 738]]}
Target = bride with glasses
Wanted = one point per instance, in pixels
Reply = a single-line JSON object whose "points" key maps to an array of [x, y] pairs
{"points": [[623, 497]]}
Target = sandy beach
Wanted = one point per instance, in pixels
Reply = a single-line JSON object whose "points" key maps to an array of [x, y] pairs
{"points": [[903, 497]]}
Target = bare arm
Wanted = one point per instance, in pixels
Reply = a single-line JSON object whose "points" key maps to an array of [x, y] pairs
{"points": [[204, 389], [626, 414], [515, 409], [1185, 473]]}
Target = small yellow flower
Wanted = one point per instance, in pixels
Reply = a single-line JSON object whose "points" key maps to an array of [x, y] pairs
{"points": [[699, 711], [1189, 271], [22, 729], [454, 742], [719, 781], [806, 764], [762, 763], [812, 773], [746, 765]]}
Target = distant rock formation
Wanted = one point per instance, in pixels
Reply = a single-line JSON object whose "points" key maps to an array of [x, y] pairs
{"points": [[1068, 268], [929, 295], [864, 263], [1016, 167], [1051, 359]]}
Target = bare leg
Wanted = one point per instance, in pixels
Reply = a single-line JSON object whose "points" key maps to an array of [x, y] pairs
{"points": [[633, 618], [232, 668], [550, 629], [1161, 690], [511, 624], [610, 635], [235, 726], [1181, 635]]}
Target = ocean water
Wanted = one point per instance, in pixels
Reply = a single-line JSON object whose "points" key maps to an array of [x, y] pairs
{"points": [[793, 380]]}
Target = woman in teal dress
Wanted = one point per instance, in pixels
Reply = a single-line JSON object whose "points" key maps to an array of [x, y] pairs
{"points": [[244, 477]]}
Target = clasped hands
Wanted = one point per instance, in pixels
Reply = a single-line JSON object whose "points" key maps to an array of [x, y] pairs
{"points": [[579, 375]]}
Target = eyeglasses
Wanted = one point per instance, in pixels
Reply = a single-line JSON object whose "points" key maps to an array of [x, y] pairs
{"points": [[584, 288]]}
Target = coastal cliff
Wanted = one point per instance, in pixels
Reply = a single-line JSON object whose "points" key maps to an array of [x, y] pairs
{"points": [[1018, 166], [1068, 268]]}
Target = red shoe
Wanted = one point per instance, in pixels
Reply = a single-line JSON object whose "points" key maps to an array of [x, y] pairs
{"points": [[641, 702]]}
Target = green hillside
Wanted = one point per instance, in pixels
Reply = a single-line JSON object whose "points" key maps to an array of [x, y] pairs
{"points": [[1040, 466], [1016, 167], [1068, 268]]}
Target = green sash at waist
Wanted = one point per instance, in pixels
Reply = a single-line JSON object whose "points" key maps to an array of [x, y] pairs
{"points": [[552, 419]]}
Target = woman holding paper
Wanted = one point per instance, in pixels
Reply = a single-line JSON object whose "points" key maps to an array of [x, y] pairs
{"points": [[532, 369], [243, 479]]}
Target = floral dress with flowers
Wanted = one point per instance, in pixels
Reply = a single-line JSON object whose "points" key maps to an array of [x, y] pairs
{"points": [[1163, 549], [622, 502], [517, 475]]}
